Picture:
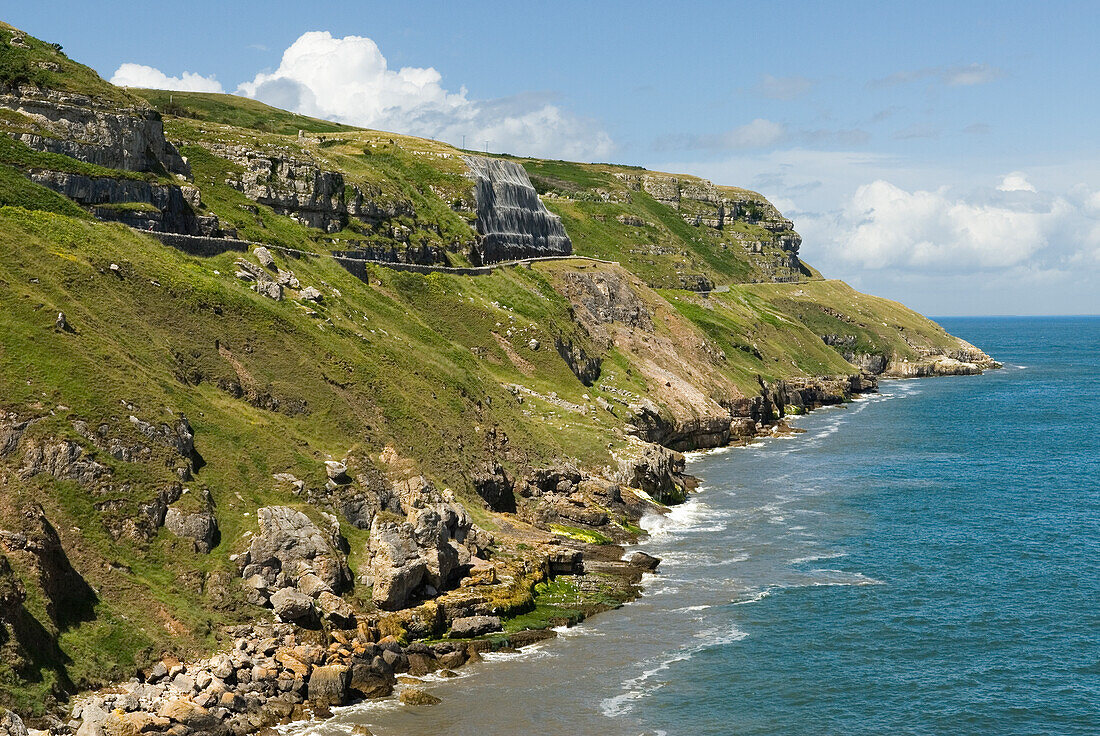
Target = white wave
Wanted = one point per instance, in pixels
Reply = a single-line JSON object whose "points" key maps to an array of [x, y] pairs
{"points": [[532, 652], [755, 597], [639, 687], [690, 609], [843, 578], [815, 558]]}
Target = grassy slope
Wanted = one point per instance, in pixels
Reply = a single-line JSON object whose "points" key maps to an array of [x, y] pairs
{"points": [[237, 111], [394, 354], [34, 65], [419, 363], [661, 249]]}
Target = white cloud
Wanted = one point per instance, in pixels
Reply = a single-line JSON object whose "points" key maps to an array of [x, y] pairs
{"points": [[348, 79], [139, 75], [971, 74], [1015, 182], [757, 134], [886, 227]]}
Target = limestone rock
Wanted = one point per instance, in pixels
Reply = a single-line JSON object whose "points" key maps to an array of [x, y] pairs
{"points": [[11, 724], [370, 682], [495, 488], [511, 219], [291, 605], [336, 471], [656, 470], [329, 685], [416, 696], [309, 294], [643, 561], [263, 256], [422, 552], [289, 546], [270, 289], [201, 527], [312, 585], [470, 626], [335, 608]]}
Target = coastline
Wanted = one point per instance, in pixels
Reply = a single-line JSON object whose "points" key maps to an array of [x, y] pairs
{"points": [[316, 671]]}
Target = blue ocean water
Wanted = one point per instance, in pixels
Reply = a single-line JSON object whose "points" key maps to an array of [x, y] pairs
{"points": [[923, 561]]}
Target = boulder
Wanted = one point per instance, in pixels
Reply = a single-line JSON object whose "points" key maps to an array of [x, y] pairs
{"points": [[643, 561], [416, 696], [11, 724], [396, 565], [312, 585], [191, 715], [289, 545], [335, 608], [291, 605], [270, 289], [336, 471], [309, 294], [470, 626], [221, 666], [329, 685], [201, 528], [368, 681], [263, 256]]}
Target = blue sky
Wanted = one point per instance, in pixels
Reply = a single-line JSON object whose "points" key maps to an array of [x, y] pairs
{"points": [[943, 154]]}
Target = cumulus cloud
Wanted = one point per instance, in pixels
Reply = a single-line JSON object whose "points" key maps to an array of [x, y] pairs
{"points": [[886, 227], [139, 75], [1016, 182], [784, 88], [349, 80]]}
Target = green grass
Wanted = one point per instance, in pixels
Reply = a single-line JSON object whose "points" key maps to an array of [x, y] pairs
{"points": [[16, 153], [234, 110], [577, 534], [34, 66], [18, 191]]}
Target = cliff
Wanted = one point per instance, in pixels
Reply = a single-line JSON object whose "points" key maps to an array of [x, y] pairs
{"points": [[253, 449]]}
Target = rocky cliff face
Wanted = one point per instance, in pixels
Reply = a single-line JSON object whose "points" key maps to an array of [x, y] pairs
{"points": [[511, 219], [701, 203], [299, 188], [167, 208], [85, 129]]}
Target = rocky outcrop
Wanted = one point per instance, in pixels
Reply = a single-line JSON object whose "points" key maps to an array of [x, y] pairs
{"points": [[35, 541], [11, 724], [291, 551], [299, 188], [774, 246], [471, 626], [495, 488], [419, 553], [158, 207], [584, 366], [200, 527], [657, 471], [91, 130], [511, 219]]}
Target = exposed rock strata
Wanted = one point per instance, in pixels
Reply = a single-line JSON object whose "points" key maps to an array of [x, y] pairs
{"points": [[511, 219], [89, 130]]}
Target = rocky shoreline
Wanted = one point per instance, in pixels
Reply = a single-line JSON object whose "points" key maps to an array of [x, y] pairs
{"points": [[321, 653]]}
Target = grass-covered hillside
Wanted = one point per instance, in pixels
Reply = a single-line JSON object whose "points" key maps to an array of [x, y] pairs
{"points": [[111, 341]]}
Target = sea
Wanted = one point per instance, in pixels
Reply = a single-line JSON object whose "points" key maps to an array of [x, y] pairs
{"points": [[924, 560]]}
